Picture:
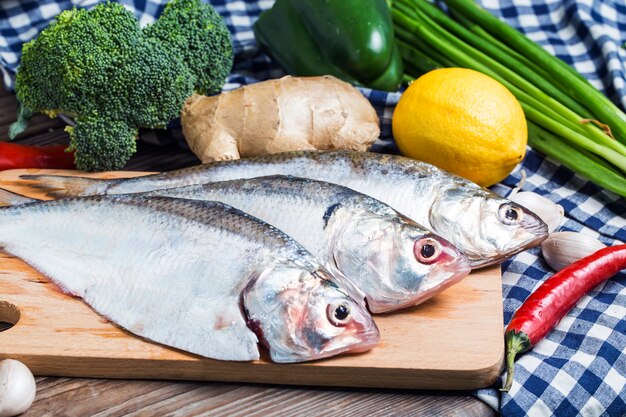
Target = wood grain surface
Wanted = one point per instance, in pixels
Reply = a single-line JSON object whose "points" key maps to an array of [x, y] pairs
{"points": [[60, 335], [105, 397], [78, 397]]}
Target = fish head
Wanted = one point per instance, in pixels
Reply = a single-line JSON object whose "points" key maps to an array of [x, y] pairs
{"points": [[302, 315], [395, 262], [487, 228]]}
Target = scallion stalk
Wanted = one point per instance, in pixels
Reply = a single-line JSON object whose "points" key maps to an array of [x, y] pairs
{"points": [[571, 157], [575, 85], [417, 60], [555, 115], [505, 75], [565, 120], [523, 67]]}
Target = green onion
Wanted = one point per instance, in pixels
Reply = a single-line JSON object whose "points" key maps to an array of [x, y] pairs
{"points": [[529, 96], [576, 86], [544, 91], [522, 66], [419, 62], [508, 77], [552, 146]]}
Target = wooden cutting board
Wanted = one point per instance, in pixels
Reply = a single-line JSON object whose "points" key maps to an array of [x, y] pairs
{"points": [[452, 341]]}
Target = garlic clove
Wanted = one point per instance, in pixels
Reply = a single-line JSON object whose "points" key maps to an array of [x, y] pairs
{"points": [[17, 388], [561, 249], [548, 211]]}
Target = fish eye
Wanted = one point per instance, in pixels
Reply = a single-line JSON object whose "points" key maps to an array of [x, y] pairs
{"points": [[427, 250], [339, 314], [510, 214]]}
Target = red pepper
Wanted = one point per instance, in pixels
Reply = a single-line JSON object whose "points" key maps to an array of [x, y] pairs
{"points": [[545, 307], [14, 156]]}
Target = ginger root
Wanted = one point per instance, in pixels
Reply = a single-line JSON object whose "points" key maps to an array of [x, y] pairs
{"points": [[280, 115]]}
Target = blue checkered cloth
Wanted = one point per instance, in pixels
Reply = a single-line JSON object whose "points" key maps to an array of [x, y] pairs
{"points": [[580, 367]]}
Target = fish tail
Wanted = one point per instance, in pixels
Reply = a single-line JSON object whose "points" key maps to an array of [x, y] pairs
{"points": [[9, 198], [61, 186]]}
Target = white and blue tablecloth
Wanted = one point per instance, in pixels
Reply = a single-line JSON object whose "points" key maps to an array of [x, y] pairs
{"points": [[580, 368]]}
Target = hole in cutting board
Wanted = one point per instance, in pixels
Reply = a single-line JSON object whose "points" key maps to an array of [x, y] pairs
{"points": [[9, 315]]}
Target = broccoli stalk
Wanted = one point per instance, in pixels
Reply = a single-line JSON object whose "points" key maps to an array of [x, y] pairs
{"points": [[101, 68]]}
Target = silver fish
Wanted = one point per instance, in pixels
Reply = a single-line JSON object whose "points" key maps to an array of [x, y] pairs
{"points": [[390, 259], [199, 276], [486, 227], [381, 255]]}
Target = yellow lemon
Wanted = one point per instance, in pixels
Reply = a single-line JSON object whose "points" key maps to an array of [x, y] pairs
{"points": [[462, 121]]}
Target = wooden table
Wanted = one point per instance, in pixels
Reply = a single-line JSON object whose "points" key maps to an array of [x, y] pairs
{"points": [[100, 397]]}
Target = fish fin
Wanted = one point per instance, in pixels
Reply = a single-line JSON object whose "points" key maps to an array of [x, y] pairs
{"points": [[9, 198], [214, 330], [66, 186]]}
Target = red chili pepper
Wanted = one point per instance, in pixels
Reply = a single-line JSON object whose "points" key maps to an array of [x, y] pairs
{"points": [[545, 307], [14, 156]]}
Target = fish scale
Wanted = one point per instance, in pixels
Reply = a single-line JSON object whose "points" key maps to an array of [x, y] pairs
{"points": [[486, 227], [345, 231], [375, 251], [175, 271]]}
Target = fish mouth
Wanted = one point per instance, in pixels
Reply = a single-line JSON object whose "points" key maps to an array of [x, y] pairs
{"points": [[455, 267], [483, 263], [366, 344], [437, 286], [536, 228], [451, 274], [367, 340], [358, 336]]}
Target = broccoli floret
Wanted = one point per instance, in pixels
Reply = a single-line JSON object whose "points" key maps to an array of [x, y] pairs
{"points": [[154, 85], [196, 32], [102, 143], [100, 61], [101, 68]]}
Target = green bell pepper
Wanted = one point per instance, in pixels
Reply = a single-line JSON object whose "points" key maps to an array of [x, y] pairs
{"points": [[350, 39]]}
